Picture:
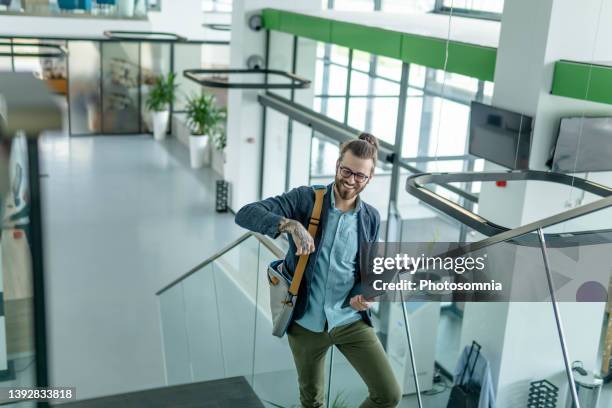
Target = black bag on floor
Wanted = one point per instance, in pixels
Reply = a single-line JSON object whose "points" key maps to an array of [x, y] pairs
{"points": [[466, 394]]}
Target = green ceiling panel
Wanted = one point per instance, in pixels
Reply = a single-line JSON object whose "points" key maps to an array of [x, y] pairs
{"points": [[305, 26], [271, 19], [466, 59], [472, 60], [571, 78], [423, 51], [370, 39]]}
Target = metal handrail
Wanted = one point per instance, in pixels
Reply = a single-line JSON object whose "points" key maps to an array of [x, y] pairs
{"points": [[218, 27], [498, 233], [261, 238], [296, 82], [144, 36], [61, 50]]}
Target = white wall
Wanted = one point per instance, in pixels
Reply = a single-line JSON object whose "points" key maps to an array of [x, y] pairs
{"points": [[244, 129]]}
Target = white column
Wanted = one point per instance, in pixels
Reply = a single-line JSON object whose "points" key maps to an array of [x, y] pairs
{"points": [[244, 129]]}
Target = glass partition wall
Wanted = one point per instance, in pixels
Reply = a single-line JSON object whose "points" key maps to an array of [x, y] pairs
{"points": [[106, 82]]}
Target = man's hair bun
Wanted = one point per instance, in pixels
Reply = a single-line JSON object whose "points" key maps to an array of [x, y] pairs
{"points": [[370, 139]]}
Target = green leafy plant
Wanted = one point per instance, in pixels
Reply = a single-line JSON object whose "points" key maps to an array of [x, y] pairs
{"points": [[162, 92], [204, 117]]}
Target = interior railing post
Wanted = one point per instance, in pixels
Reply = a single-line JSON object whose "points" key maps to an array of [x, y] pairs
{"points": [[410, 349], [566, 358], [329, 377]]}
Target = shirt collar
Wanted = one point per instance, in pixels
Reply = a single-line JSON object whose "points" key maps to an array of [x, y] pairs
{"points": [[333, 201]]}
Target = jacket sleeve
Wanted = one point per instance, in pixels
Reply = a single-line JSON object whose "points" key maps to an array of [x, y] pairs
{"points": [[265, 215]]}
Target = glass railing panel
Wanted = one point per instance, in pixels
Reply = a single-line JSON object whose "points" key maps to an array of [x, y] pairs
{"points": [[18, 355], [206, 349], [207, 318], [274, 378], [175, 337], [508, 321], [235, 277]]}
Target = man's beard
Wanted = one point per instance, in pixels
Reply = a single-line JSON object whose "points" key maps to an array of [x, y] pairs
{"points": [[347, 193]]}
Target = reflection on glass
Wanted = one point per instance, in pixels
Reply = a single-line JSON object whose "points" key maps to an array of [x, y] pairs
{"points": [[17, 348], [154, 62], [120, 87], [84, 85], [186, 56]]}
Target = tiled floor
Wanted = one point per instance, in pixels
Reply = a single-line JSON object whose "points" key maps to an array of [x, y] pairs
{"points": [[124, 215]]}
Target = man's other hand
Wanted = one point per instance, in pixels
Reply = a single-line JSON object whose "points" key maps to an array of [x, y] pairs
{"points": [[360, 303]]}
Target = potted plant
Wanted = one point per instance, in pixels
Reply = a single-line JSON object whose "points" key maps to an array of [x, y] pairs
{"points": [[205, 120], [158, 102]]}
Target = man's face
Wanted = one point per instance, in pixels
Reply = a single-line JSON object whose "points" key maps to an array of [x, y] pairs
{"points": [[349, 187]]}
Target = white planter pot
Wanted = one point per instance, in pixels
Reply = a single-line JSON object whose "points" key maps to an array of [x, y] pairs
{"points": [[160, 124], [197, 150], [125, 8]]}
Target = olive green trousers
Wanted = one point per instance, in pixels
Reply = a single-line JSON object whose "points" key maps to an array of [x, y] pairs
{"points": [[359, 344]]}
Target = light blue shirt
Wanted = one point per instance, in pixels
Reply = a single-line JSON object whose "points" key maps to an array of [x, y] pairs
{"points": [[334, 273]]}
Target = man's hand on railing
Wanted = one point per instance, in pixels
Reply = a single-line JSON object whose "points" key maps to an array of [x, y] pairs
{"points": [[360, 303], [302, 239]]}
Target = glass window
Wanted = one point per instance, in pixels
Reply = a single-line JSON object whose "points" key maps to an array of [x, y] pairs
{"points": [[374, 95], [361, 60], [330, 76], [438, 110]]}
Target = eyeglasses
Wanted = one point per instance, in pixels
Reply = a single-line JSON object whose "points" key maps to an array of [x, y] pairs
{"points": [[347, 173]]}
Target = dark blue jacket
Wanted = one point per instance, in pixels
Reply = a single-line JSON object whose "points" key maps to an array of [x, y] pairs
{"points": [[264, 217]]}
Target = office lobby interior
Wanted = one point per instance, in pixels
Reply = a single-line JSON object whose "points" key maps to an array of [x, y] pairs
{"points": [[133, 131]]}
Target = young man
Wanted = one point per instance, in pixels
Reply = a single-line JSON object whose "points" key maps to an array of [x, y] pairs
{"points": [[330, 310]]}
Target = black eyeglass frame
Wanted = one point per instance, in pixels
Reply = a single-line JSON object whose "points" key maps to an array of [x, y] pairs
{"points": [[352, 173]]}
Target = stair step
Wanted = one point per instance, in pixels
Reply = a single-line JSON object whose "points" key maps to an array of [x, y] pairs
{"points": [[225, 393]]}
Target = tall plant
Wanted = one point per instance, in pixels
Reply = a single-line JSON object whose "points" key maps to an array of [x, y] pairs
{"points": [[162, 93], [204, 117]]}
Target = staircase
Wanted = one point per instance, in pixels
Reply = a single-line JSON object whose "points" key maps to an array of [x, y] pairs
{"points": [[232, 392]]}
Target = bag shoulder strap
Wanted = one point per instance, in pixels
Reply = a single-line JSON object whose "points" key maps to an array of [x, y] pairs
{"points": [[313, 225]]}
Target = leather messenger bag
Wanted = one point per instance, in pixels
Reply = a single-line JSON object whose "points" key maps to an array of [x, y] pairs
{"points": [[284, 287]]}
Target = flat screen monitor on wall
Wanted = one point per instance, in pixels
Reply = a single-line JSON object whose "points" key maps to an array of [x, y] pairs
{"points": [[584, 145], [500, 136]]}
